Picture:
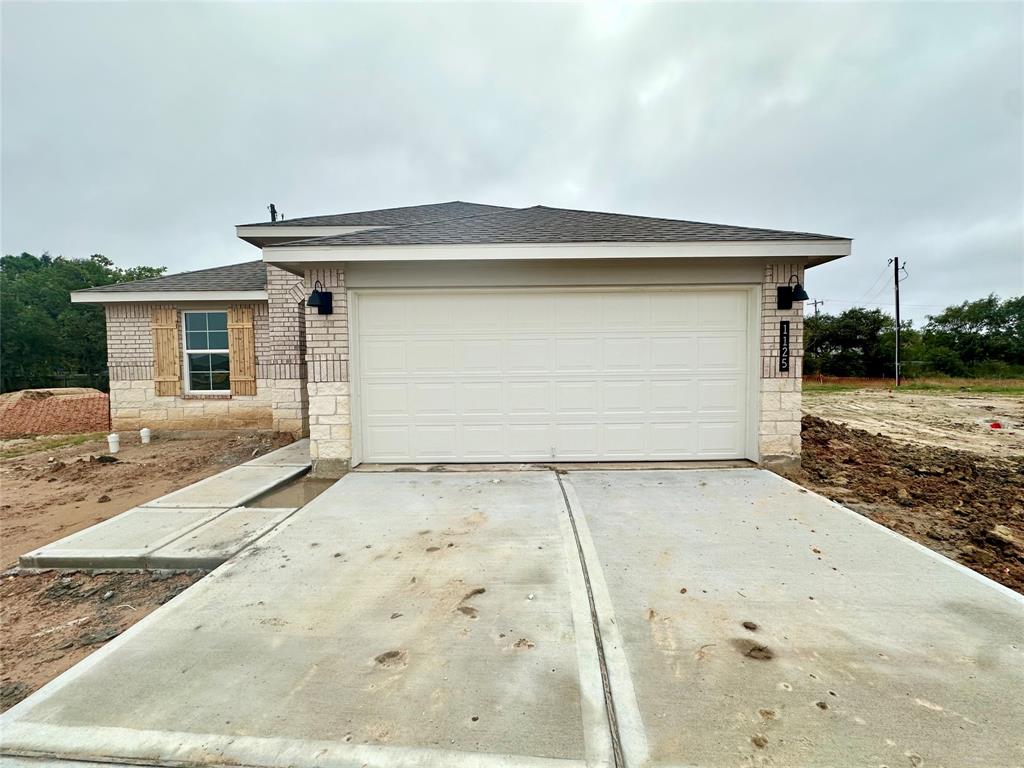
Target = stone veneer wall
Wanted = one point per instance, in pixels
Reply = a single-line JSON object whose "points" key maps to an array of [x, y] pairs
{"points": [[327, 359], [133, 400], [779, 428]]}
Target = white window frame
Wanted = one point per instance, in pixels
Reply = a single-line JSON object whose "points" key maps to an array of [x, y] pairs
{"points": [[187, 367]]}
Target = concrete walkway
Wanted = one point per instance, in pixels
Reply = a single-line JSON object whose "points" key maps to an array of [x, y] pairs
{"points": [[437, 620], [199, 526]]}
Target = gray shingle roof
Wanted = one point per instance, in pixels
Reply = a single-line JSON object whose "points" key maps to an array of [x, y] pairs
{"points": [[389, 217], [250, 276], [556, 225]]}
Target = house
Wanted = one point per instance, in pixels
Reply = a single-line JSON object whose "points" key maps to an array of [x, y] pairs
{"points": [[461, 332]]}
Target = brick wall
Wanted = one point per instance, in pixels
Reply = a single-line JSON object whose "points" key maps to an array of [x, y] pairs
{"points": [[779, 428], [133, 400], [327, 358], [283, 359]]}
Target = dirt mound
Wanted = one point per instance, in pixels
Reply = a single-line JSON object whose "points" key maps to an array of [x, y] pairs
{"points": [[53, 412], [961, 504]]}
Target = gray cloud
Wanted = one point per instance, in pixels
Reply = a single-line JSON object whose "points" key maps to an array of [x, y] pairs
{"points": [[145, 131]]}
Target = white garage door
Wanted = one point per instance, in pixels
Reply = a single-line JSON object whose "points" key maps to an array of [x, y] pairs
{"points": [[481, 376]]}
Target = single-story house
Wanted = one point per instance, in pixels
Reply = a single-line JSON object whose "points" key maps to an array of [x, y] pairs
{"points": [[460, 332]]}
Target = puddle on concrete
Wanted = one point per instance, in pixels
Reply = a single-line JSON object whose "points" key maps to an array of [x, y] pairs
{"points": [[294, 493]]}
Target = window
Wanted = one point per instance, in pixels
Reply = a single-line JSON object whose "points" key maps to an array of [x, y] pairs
{"points": [[206, 352]]}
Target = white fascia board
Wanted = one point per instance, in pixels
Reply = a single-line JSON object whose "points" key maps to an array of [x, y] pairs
{"points": [[815, 251], [296, 232], [164, 297]]}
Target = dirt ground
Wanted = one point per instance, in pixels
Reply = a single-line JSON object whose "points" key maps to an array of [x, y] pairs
{"points": [[961, 420], [52, 487], [47, 494], [53, 620], [961, 495]]}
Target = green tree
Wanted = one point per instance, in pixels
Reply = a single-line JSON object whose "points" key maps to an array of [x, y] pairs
{"points": [[977, 337], [849, 344], [41, 331]]}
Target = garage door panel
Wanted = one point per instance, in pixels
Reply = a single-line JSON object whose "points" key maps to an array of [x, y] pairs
{"points": [[383, 399], [624, 441], [529, 442], [430, 356], [482, 398], [387, 443], [674, 311], [440, 441], [578, 442], [575, 397], [720, 396], [677, 439], [574, 355], [720, 353], [718, 439], [383, 357], [432, 399], [625, 397], [722, 311], [625, 312], [480, 355], [539, 375], [528, 355], [529, 311], [483, 442], [626, 353], [673, 396], [529, 398], [673, 353]]}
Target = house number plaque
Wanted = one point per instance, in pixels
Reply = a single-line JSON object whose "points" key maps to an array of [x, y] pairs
{"points": [[784, 346]]}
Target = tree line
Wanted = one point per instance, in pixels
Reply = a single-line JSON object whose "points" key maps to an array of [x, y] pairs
{"points": [[45, 340], [983, 338]]}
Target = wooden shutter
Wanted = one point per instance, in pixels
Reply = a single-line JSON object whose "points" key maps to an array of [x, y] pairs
{"points": [[166, 357], [242, 349]]}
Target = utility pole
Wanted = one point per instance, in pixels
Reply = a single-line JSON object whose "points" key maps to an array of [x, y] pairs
{"points": [[816, 302], [896, 287]]}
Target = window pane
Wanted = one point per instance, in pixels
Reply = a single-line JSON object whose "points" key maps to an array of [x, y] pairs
{"points": [[199, 363], [220, 381], [217, 321], [196, 340], [219, 363], [195, 321], [199, 381], [218, 340]]}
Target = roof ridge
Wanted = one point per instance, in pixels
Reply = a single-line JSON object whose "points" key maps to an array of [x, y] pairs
{"points": [[396, 227], [691, 221], [159, 278], [368, 211]]}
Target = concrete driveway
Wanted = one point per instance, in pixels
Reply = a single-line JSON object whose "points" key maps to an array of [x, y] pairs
{"points": [[446, 620]]}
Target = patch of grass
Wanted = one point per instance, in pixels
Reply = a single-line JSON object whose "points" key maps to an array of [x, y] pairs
{"points": [[49, 444], [938, 385]]}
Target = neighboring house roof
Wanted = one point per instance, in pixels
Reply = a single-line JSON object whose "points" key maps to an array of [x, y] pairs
{"points": [[389, 217], [541, 224], [250, 276]]}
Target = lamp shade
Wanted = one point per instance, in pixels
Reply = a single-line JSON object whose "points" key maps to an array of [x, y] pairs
{"points": [[799, 294]]}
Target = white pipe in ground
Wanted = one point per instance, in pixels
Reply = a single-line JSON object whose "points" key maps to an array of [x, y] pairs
{"points": [[144, 434], [114, 442]]}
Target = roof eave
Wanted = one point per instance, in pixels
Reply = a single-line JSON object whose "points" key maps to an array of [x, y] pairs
{"points": [[164, 297], [264, 234], [812, 252]]}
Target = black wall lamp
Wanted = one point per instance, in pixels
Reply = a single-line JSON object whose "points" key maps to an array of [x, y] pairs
{"points": [[790, 293], [321, 299]]}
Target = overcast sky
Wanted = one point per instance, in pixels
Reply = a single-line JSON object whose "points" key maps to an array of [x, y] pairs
{"points": [[146, 131]]}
